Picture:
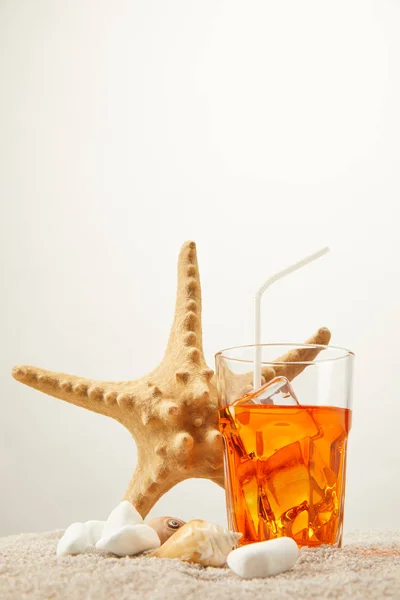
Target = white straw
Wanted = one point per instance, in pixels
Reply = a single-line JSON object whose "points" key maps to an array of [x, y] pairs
{"points": [[257, 320]]}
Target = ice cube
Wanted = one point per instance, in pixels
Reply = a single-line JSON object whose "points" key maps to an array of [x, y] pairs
{"points": [[247, 491], [286, 483], [324, 502], [278, 391], [296, 519], [325, 514], [267, 522], [322, 475]]}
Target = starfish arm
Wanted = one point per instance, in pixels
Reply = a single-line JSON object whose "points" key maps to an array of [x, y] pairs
{"points": [[299, 355], [234, 385], [100, 397], [185, 342], [219, 479], [145, 488]]}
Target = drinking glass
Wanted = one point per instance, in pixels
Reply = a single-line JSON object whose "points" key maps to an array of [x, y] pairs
{"points": [[285, 445]]}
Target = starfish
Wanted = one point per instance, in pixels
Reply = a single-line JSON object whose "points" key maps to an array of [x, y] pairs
{"points": [[171, 412]]}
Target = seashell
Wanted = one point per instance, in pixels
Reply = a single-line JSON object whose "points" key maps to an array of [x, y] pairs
{"points": [[165, 526], [200, 542]]}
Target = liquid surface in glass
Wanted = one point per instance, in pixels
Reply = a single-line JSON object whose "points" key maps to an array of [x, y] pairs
{"points": [[285, 471]]}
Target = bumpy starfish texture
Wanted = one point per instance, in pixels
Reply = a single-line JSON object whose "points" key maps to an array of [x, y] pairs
{"points": [[171, 412]]}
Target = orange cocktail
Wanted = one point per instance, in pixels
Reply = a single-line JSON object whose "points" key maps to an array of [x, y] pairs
{"points": [[285, 471]]}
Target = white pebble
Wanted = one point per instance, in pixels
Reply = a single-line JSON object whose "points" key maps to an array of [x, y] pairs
{"points": [[94, 531], [73, 541], [129, 540], [124, 514], [123, 533], [80, 536], [264, 559]]}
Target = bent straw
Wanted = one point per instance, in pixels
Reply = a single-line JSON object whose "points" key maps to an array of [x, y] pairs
{"points": [[257, 320]]}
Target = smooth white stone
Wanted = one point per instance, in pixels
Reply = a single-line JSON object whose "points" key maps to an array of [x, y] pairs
{"points": [[74, 540], [264, 559], [124, 514], [80, 536], [94, 531], [129, 540]]}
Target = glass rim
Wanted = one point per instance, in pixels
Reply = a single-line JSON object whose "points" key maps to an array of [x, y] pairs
{"points": [[344, 353]]}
